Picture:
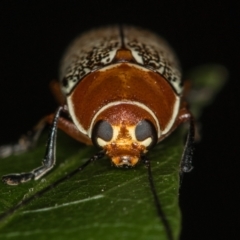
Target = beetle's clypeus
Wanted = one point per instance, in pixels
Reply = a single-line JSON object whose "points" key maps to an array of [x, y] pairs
{"points": [[122, 90]]}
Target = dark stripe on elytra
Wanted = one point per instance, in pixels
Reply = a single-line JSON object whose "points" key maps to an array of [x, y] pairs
{"points": [[121, 36]]}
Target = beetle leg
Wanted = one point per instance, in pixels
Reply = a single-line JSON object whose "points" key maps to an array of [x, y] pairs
{"points": [[70, 129], [183, 117], [47, 163], [66, 126], [186, 163], [29, 140]]}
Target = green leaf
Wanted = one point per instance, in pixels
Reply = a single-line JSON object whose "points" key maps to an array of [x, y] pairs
{"points": [[206, 81], [101, 202]]}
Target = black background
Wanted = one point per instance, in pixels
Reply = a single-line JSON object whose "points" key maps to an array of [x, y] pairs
{"points": [[34, 34]]}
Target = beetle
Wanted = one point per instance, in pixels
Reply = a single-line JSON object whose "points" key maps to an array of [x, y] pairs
{"points": [[121, 90]]}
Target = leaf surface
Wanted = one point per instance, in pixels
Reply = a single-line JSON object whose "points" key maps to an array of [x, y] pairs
{"points": [[102, 202]]}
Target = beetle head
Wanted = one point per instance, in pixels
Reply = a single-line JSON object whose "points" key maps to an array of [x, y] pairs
{"points": [[124, 143]]}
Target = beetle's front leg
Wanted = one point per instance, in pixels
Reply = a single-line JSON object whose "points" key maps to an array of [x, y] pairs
{"points": [[29, 140], [48, 161]]}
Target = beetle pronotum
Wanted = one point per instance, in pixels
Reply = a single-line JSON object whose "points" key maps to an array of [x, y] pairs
{"points": [[122, 91]]}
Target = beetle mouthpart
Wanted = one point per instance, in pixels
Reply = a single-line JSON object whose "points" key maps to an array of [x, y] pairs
{"points": [[123, 153], [125, 161]]}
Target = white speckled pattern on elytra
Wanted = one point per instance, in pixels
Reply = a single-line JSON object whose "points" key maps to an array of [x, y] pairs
{"points": [[151, 51], [91, 51], [97, 48]]}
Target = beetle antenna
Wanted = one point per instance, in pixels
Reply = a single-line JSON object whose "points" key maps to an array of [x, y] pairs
{"points": [[38, 194], [157, 202]]}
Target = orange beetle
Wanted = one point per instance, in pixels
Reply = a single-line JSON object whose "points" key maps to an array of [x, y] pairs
{"points": [[122, 91]]}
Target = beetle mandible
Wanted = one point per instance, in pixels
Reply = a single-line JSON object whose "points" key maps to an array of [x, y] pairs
{"points": [[121, 89]]}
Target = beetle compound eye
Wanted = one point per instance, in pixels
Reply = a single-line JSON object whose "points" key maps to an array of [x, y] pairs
{"points": [[145, 131], [102, 132]]}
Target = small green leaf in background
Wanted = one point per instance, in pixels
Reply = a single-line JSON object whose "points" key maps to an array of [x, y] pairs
{"points": [[102, 202], [206, 82]]}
